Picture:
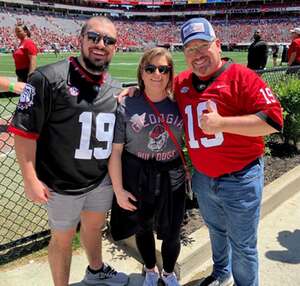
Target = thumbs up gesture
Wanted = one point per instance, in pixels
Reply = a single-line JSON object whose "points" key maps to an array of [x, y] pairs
{"points": [[212, 121]]}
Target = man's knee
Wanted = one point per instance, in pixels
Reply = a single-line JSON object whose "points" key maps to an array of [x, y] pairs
{"points": [[62, 238], [92, 221]]}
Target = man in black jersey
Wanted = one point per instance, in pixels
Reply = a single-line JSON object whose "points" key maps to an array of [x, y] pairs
{"points": [[63, 128]]}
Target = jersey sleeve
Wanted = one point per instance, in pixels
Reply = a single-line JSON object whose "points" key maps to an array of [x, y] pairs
{"points": [[33, 108], [120, 126], [259, 99]]}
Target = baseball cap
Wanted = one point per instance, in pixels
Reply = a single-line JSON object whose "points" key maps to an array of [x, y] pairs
{"points": [[197, 29], [295, 30]]}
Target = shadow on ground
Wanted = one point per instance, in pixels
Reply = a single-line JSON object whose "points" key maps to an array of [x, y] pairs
{"points": [[194, 282], [290, 240], [135, 279]]}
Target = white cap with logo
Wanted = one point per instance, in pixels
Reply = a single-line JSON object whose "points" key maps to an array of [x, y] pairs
{"points": [[295, 30], [197, 29]]}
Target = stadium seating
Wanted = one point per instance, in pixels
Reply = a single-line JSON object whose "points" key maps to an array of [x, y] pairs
{"points": [[63, 31]]}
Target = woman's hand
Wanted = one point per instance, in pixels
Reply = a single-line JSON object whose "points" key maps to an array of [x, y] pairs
{"points": [[123, 200]]}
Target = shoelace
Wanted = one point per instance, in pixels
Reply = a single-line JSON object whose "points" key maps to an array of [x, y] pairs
{"points": [[109, 271]]}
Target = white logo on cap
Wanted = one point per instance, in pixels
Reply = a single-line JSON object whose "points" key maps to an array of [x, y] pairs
{"points": [[193, 28]]}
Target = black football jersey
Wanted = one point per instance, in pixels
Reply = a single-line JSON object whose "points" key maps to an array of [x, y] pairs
{"points": [[71, 114]]}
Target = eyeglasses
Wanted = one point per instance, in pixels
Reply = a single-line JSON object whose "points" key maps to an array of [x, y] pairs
{"points": [[161, 69], [96, 38], [197, 49]]}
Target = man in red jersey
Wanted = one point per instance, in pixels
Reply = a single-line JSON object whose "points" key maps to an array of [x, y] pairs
{"points": [[294, 51], [226, 109]]}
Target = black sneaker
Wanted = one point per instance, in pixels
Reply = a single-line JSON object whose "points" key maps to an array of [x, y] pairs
{"points": [[107, 276], [212, 281]]}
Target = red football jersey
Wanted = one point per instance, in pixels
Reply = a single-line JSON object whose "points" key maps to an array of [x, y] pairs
{"points": [[235, 92]]}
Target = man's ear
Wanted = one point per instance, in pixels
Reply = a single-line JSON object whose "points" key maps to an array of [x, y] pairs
{"points": [[80, 39], [218, 43]]}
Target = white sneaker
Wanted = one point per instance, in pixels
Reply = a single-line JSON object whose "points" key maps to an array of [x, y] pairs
{"points": [[151, 278], [170, 280]]}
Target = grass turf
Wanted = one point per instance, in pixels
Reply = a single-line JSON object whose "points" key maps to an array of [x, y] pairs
{"points": [[123, 66]]}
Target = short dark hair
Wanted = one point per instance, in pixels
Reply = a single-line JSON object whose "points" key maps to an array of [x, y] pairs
{"points": [[99, 18]]}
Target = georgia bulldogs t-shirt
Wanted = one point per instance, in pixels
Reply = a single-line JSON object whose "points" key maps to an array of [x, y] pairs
{"points": [[140, 129], [71, 114], [235, 92]]}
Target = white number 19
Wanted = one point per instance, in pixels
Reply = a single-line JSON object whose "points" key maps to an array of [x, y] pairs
{"points": [[105, 123], [206, 142]]}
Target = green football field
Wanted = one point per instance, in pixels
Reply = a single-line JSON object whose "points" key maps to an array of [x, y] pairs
{"points": [[123, 66]]}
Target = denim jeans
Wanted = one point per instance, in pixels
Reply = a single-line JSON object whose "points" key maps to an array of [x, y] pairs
{"points": [[230, 207]]}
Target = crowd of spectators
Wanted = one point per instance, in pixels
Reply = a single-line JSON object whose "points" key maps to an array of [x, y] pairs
{"points": [[141, 34]]}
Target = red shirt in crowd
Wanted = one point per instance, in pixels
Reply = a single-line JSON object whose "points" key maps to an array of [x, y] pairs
{"points": [[295, 47], [21, 55]]}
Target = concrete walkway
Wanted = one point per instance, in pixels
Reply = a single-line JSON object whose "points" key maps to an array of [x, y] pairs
{"points": [[279, 248]]}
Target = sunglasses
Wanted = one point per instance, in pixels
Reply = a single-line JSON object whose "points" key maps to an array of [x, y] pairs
{"points": [[96, 38], [161, 69]]}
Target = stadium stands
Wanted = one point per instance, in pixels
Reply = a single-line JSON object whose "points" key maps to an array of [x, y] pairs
{"points": [[61, 28]]}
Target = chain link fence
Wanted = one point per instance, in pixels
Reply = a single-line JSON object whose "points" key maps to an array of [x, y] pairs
{"points": [[23, 224], [277, 74], [24, 227]]}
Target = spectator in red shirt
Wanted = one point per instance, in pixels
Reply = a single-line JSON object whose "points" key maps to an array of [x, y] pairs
{"points": [[294, 50], [25, 55]]}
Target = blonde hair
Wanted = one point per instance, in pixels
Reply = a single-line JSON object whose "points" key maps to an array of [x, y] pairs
{"points": [[147, 58]]}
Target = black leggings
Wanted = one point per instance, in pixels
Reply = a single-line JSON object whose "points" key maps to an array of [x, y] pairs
{"points": [[170, 248]]}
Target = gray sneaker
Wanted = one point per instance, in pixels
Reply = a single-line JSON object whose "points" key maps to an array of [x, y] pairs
{"points": [[212, 281], [151, 278], [170, 280], [108, 276]]}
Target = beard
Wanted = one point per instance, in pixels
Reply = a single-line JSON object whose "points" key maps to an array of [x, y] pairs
{"points": [[257, 37], [93, 66]]}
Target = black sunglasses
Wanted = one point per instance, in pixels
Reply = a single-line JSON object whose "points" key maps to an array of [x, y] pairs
{"points": [[152, 68], [96, 38]]}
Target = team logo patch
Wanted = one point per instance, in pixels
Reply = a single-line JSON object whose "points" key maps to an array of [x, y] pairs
{"points": [[158, 137], [184, 89], [26, 97], [73, 91]]}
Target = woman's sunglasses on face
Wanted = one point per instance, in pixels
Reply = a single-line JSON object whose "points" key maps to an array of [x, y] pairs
{"points": [[161, 69], [96, 38]]}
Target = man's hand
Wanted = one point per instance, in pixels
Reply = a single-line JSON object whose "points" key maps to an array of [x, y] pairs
{"points": [[123, 200], [128, 91], [211, 122], [36, 191]]}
